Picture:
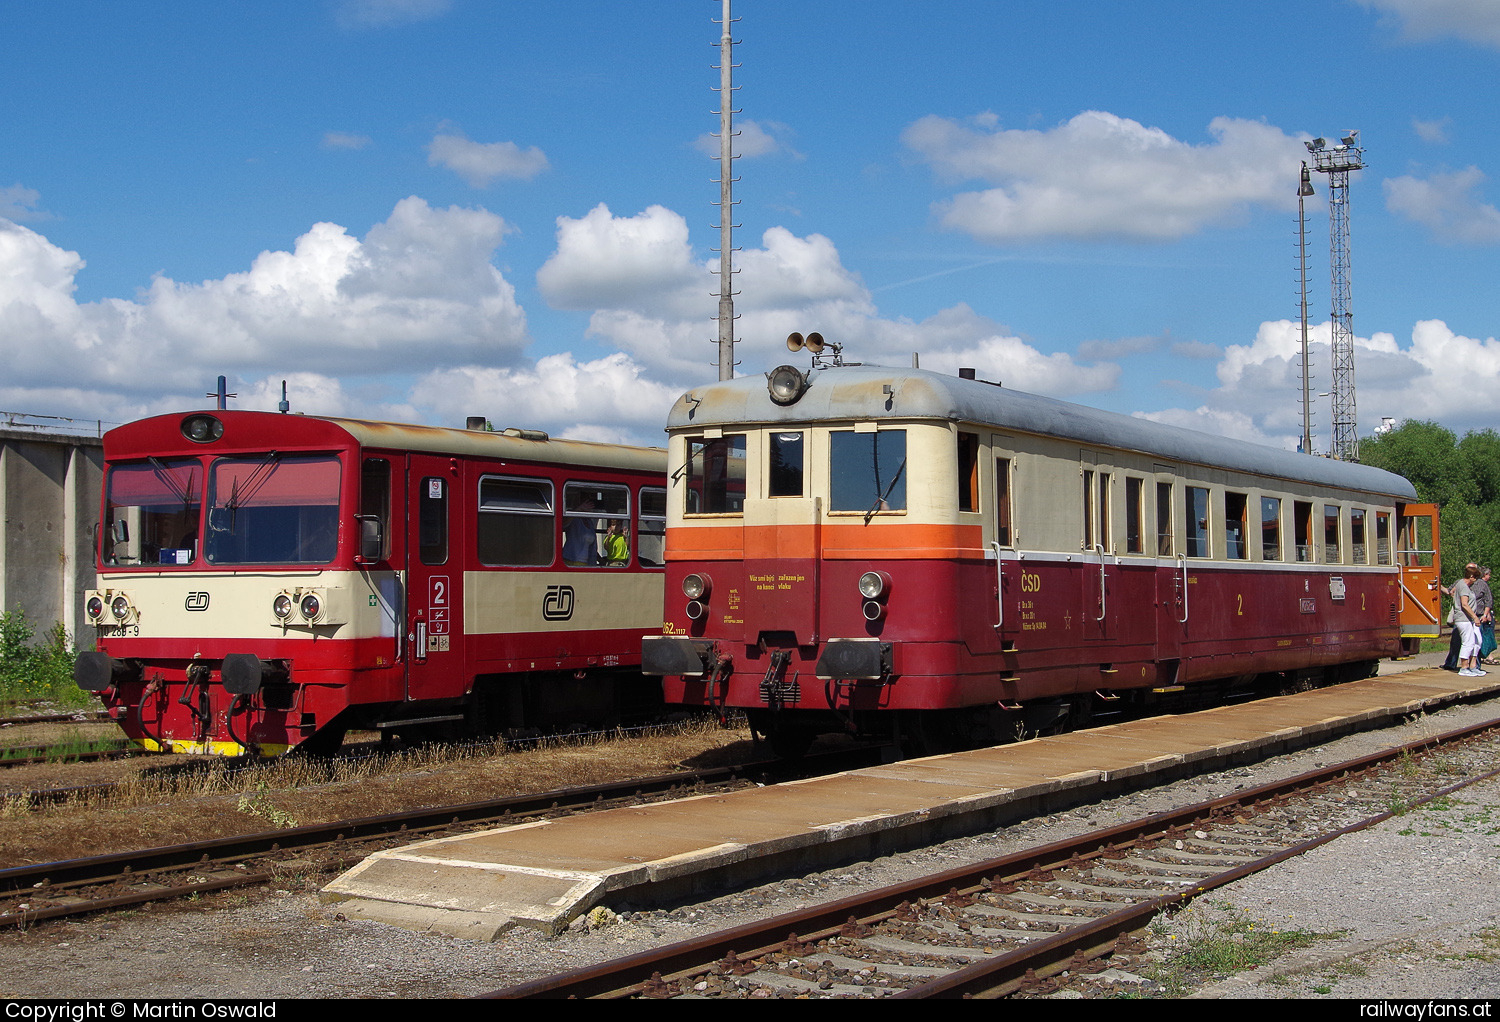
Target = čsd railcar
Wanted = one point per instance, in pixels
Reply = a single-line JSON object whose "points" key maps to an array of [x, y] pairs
{"points": [[880, 550], [269, 581]]}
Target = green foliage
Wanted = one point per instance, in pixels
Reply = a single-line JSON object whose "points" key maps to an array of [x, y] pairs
{"points": [[1460, 476], [36, 670]]}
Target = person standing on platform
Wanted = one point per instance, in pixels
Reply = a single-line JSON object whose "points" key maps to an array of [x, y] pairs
{"points": [[1466, 619], [1484, 598]]}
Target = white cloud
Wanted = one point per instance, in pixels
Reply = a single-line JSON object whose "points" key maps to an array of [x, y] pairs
{"points": [[1477, 21], [608, 400], [1432, 132], [480, 163], [418, 290], [20, 203], [1447, 204], [752, 139], [1100, 175], [1259, 395]]}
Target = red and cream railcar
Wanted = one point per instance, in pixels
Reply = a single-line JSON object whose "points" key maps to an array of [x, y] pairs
{"points": [[267, 581], [862, 549]]}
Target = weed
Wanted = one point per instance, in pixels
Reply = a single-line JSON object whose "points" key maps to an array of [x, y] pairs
{"points": [[37, 670], [1207, 946]]}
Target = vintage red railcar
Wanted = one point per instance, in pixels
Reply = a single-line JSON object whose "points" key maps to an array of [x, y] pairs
{"points": [[268, 581], [873, 550]]}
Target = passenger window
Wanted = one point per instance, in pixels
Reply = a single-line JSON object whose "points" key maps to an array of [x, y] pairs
{"points": [[1235, 510], [596, 525], [1195, 514], [1357, 552], [516, 525], [867, 471], [1331, 553], [1382, 538], [786, 465], [1270, 528], [1135, 542], [716, 476], [1302, 512], [651, 537]]}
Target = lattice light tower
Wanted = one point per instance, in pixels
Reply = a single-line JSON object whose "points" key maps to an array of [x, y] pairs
{"points": [[1337, 161]]}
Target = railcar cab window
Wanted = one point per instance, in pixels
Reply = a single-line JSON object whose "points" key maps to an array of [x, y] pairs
{"points": [[273, 509], [516, 525], [716, 476], [1270, 528], [786, 468], [375, 503], [596, 525], [151, 512], [651, 539], [1195, 515], [968, 472], [867, 471]]}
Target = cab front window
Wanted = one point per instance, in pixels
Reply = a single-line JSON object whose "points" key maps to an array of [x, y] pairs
{"points": [[273, 509], [151, 512]]}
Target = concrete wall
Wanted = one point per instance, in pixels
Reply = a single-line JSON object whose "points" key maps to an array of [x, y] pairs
{"points": [[49, 502]]}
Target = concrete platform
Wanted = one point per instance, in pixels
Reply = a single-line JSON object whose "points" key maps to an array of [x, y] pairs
{"points": [[546, 873]]}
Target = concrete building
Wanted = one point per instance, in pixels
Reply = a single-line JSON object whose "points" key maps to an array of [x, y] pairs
{"points": [[49, 503]]}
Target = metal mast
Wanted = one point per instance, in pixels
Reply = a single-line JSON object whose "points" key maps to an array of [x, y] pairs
{"points": [[1303, 191], [1337, 162], [726, 198]]}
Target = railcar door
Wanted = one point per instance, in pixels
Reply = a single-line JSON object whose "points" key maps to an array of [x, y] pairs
{"points": [[1417, 556], [434, 579]]}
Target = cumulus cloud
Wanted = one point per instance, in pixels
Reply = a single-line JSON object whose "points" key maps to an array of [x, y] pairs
{"points": [[480, 163], [1432, 132], [609, 400], [1259, 395], [1447, 204], [1099, 175], [419, 289], [1476, 21]]}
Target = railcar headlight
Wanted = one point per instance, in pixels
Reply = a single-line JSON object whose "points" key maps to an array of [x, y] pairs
{"points": [[310, 606], [202, 429], [874, 610], [696, 587], [282, 606], [874, 585], [120, 608], [696, 610], [786, 384], [94, 607]]}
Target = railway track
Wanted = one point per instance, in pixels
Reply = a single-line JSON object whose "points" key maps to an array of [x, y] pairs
{"points": [[1022, 923], [56, 890]]}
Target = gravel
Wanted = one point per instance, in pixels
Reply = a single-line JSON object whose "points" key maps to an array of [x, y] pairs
{"points": [[1411, 909]]}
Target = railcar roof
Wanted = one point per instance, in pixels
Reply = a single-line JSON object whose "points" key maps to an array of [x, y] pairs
{"points": [[276, 430], [857, 393]]}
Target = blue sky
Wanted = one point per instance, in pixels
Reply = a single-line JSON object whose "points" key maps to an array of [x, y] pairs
{"points": [[425, 209]]}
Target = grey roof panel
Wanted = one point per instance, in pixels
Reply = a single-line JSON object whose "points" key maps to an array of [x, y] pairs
{"points": [[852, 393]]}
